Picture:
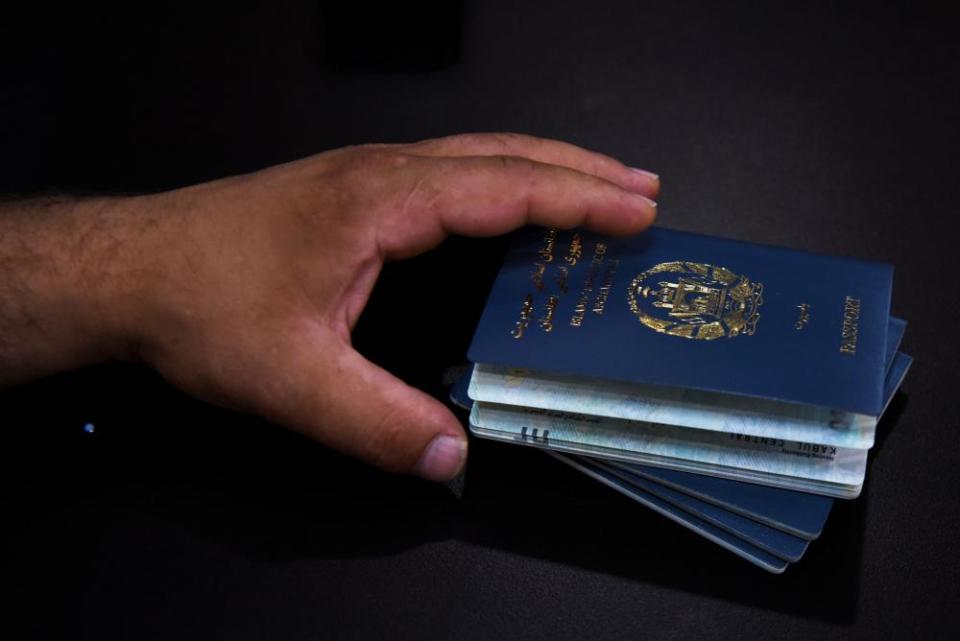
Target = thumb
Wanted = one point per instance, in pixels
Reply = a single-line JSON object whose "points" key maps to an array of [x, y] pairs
{"points": [[345, 401]]}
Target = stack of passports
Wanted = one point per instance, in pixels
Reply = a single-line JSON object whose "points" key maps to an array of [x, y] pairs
{"points": [[732, 387]]}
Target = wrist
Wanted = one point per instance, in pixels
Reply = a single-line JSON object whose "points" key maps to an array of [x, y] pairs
{"points": [[44, 312], [101, 288], [121, 289], [72, 280]]}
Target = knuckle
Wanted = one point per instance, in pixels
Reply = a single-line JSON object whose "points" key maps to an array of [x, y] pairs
{"points": [[467, 139], [368, 157], [378, 158], [367, 171]]}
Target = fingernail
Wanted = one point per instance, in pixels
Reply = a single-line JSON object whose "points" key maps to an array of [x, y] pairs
{"points": [[644, 172], [649, 201], [443, 458]]}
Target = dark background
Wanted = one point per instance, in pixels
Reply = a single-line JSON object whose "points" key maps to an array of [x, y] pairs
{"points": [[830, 127]]}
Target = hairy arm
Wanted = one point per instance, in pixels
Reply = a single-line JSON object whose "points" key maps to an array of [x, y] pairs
{"points": [[244, 291], [54, 285]]}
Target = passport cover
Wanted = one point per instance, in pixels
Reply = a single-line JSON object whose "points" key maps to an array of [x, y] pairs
{"points": [[685, 310]]}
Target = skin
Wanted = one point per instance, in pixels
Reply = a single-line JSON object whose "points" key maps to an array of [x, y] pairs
{"points": [[244, 291]]}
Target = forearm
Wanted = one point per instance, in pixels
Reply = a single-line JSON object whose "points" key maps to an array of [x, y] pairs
{"points": [[57, 261]]}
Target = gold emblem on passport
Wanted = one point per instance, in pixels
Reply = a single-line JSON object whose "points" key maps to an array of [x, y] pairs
{"points": [[696, 300]]}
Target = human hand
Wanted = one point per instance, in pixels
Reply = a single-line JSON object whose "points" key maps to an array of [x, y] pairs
{"points": [[244, 291]]}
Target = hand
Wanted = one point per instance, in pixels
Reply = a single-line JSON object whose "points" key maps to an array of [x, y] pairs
{"points": [[244, 291]]}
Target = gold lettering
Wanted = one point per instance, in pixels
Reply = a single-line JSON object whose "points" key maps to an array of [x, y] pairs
{"points": [[850, 330], [601, 301], [579, 311], [583, 301], [546, 323], [526, 310], [549, 240], [574, 251]]}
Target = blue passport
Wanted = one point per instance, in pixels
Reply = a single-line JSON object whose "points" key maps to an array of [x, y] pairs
{"points": [[685, 310], [767, 526]]}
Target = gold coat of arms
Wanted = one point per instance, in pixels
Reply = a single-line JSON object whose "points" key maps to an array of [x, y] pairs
{"points": [[696, 300]]}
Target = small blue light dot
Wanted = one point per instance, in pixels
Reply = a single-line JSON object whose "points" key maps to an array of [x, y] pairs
{"points": [[89, 428]]}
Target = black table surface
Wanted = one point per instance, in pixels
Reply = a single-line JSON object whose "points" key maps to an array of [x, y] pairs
{"points": [[822, 126]]}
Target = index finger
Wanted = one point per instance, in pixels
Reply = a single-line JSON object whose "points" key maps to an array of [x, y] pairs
{"points": [[545, 150], [491, 195]]}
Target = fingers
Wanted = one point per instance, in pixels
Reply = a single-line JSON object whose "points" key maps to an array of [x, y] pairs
{"points": [[486, 196], [553, 152], [331, 393]]}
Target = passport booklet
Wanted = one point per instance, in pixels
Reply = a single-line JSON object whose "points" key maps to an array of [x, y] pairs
{"points": [[669, 355], [766, 526], [668, 311]]}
